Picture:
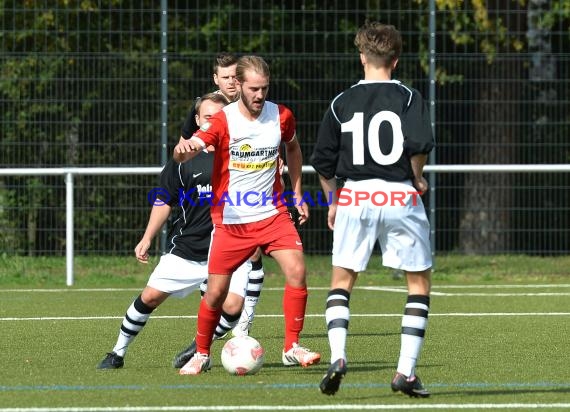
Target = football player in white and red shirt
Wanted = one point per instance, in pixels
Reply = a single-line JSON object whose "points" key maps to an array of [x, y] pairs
{"points": [[224, 76], [249, 209]]}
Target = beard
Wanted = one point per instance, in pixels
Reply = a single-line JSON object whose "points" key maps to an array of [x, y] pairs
{"points": [[253, 106]]}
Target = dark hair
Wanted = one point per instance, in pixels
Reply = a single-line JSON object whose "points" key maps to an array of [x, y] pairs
{"points": [[380, 43], [255, 63], [224, 60], [214, 97]]}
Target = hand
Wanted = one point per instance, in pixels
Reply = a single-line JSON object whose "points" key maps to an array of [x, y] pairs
{"points": [[185, 146], [303, 211], [421, 184], [331, 216], [141, 251]]}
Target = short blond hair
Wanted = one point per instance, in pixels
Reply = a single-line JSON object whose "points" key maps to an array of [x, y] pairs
{"points": [[254, 63]]}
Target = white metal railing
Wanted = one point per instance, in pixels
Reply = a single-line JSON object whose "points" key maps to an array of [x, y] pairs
{"points": [[69, 172]]}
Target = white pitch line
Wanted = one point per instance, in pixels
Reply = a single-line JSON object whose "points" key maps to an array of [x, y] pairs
{"points": [[349, 407], [384, 289], [70, 290], [484, 294], [511, 286], [373, 288], [355, 315]]}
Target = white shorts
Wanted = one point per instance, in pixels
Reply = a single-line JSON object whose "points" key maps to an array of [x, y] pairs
{"points": [[390, 215], [179, 277]]}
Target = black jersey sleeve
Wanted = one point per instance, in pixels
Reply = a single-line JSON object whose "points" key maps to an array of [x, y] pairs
{"points": [[189, 126], [326, 150], [416, 126]]}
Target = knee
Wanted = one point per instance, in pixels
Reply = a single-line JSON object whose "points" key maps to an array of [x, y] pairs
{"points": [[214, 298], [233, 304], [152, 300], [295, 274], [152, 297]]}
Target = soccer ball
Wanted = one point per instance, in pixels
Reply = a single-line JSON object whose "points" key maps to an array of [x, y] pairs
{"points": [[243, 355]]}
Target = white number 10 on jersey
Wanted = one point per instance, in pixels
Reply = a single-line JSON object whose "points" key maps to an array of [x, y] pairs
{"points": [[356, 127]]}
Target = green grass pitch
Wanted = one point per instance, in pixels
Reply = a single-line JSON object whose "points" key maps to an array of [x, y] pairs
{"points": [[499, 344]]}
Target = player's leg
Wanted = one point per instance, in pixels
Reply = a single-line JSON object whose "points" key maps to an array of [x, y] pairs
{"points": [[232, 307], [405, 245], [254, 285], [209, 314], [227, 252], [414, 325], [337, 316], [294, 306], [133, 322], [285, 246], [173, 276], [231, 311], [218, 286], [354, 237], [234, 302], [203, 287]]}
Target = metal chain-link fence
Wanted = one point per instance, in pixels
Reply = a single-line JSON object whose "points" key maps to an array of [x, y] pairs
{"points": [[109, 83]]}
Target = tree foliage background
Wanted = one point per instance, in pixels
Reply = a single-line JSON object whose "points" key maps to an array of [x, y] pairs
{"points": [[81, 85]]}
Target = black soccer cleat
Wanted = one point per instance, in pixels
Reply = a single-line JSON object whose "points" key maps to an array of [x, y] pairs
{"points": [[413, 387], [111, 361], [183, 357], [331, 381]]}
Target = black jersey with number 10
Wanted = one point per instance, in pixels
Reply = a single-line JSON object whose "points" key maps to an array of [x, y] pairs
{"points": [[371, 130]]}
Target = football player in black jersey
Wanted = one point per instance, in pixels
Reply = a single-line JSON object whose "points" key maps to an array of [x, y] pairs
{"points": [[376, 137]]}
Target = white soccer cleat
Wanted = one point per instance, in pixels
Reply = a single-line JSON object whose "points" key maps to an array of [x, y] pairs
{"points": [[242, 328], [299, 355], [196, 365], [244, 323]]}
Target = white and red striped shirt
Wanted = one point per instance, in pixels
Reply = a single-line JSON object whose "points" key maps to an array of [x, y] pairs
{"points": [[246, 177]]}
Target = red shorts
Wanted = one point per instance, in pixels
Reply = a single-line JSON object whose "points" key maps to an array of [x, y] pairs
{"points": [[234, 244]]}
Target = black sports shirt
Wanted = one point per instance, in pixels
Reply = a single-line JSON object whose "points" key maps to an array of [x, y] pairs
{"points": [[190, 192], [371, 130]]}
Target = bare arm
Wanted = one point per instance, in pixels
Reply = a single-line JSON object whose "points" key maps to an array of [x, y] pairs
{"points": [[329, 186], [158, 217], [418, 162], [294, 166]]}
